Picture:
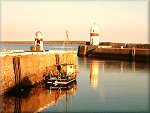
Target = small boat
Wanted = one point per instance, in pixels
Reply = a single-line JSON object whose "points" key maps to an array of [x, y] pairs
{"points": [[63, 75], [61, 86]]}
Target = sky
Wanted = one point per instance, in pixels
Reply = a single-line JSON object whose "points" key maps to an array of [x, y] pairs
{"points": [[118, 21]]}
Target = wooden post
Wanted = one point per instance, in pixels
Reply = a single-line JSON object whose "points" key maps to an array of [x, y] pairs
{"points": [[17, 104], [132, 55], [57, 59], [17, 72]]}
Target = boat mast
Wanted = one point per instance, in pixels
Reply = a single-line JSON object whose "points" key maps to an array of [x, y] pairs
{"points": [[67, 45], [67, 40]]}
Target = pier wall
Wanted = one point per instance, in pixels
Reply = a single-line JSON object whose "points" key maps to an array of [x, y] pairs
{"points": [[82, 50], [126, 45], [141, 55], [112, 53], [33, 67]]}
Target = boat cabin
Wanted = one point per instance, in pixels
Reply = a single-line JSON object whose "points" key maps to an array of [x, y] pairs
{"points": [[67, 68]]}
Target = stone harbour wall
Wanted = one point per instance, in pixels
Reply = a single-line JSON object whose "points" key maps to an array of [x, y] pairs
{"points": [[128, 54], [111, 53], [33, 67]]}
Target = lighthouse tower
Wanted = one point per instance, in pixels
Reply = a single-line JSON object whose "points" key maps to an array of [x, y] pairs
{"points": [[94, 35], [39, 40]]}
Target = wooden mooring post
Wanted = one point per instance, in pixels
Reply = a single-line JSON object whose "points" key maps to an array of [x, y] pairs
{"points": [[17, 72], [57, 59], [132, 55]]}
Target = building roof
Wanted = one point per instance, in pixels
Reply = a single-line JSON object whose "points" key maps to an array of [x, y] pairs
{"points": [[38, 32], [94, 29]]}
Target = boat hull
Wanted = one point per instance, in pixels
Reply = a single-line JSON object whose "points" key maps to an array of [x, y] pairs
{"points": [[61, 86], [61, 80]]}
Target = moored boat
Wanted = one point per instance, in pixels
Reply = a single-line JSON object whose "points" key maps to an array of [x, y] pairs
{"points": [[63, 75]]}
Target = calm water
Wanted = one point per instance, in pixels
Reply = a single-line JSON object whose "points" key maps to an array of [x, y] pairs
{"points": [[101, 86], [109, 86], [72, 47]]}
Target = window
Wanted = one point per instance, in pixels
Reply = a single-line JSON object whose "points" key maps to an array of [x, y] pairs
{"points": [[38, 41]]}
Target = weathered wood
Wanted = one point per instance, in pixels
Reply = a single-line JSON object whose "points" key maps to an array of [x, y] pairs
{"points": [[57, 58], [17, 72]]}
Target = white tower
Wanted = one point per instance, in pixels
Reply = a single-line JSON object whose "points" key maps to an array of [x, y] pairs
{"points": [[94, 35], [39, 40]]}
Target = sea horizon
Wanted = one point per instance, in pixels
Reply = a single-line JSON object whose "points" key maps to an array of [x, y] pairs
{"points": [[62, 41]]}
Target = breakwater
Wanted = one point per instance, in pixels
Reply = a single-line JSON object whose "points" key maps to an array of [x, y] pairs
{"points": [[128, 52], [33, 67]]}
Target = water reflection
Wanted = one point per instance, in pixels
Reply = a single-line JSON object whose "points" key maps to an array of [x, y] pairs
{"points": [[133, 67], [36, 99], [94, 71], [112, 66], [113, 85], [82, 63]]}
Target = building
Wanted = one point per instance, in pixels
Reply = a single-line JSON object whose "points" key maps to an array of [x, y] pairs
{"points": [[94, 35], [38, 41]]}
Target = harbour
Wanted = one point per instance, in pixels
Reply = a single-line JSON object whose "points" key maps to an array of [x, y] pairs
{"points": [[109, 86], [74, 57], [50, 69]]}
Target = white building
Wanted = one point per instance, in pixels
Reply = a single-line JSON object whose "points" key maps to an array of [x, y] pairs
{"points": [[94, 35], [39, 40]]}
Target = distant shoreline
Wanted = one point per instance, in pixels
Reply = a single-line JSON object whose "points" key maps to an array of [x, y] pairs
{"points": [[45, 42], [70, 42]]}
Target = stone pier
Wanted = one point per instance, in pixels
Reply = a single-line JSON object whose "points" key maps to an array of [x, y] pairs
{"points": [[33, 67], [110, 52]]}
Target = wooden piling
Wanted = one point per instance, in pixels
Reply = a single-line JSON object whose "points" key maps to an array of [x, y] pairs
{"points": [[17, 103], [132, 55], [57, 58], [17, 72]]}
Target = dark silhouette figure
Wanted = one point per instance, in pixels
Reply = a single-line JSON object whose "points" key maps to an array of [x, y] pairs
{"points": [[59, 68]]}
